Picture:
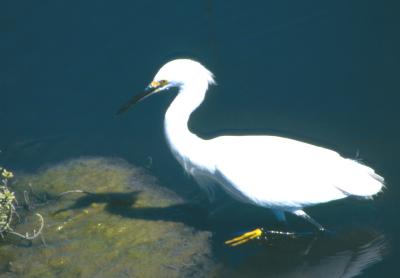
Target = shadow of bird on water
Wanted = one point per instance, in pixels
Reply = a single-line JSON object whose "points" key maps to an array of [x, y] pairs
{"points": [[122, 204]]}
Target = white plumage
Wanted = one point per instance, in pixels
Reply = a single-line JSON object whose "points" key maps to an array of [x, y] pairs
{"points": [[274, 172]]}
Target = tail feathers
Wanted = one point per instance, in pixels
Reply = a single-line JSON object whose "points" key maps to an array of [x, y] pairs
{"points": [[360, 180]]}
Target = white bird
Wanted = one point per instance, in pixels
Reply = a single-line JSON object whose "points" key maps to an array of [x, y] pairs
{"points": [[278, 173]]}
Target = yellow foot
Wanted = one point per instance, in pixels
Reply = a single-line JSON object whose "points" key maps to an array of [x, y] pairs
{"points": [[245, 237]]}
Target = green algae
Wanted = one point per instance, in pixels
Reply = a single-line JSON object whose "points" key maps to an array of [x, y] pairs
{"points": [[126, 226]]}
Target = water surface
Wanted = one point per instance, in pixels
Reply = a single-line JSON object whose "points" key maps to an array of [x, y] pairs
{"points": [[325, 73]]}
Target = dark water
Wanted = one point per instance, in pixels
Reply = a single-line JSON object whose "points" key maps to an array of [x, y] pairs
{"points": [[326, 73]]}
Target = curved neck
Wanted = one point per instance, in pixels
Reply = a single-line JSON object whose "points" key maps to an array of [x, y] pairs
{"points": [[186, 146]]}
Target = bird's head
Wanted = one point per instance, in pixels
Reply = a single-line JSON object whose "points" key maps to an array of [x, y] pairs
{"points": [[175, 73]]}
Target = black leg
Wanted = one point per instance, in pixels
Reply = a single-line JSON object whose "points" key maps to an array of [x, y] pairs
{"points": [[305, 216]]}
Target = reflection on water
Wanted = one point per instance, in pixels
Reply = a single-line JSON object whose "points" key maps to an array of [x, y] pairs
{"points": [[346, 254]]}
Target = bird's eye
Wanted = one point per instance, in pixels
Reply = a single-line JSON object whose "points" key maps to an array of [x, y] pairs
{"points": [[163, 82]]}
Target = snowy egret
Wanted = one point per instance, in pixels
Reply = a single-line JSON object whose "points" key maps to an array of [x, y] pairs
{"points": [[282, 174]]}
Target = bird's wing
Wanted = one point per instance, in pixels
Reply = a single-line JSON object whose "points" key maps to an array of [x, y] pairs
{"points": [[276, 171]]}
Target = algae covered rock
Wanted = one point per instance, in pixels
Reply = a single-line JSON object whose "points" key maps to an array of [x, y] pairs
{"points": [[124, 225]]}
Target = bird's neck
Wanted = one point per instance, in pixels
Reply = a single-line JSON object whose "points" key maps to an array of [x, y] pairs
{"points": [[186, 146]]}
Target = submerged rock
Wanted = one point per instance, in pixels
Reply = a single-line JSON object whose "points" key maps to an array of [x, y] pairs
{"points": [[126, 226]]}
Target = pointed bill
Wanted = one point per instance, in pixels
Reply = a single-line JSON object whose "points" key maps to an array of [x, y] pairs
{"points": [[151, 89]]}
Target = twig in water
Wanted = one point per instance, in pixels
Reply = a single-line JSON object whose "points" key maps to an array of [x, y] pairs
{"points": [[27, 201], [72, 191], [35, 233]]}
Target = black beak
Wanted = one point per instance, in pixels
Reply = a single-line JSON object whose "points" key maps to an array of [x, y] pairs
{"points": [[148, 91]]}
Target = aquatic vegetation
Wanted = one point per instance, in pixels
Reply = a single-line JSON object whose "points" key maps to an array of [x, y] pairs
{"points": [[7, 200], [7, 209], [114, 221]]}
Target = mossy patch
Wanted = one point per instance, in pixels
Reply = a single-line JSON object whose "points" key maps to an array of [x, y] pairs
{"points": [[126, 226]]}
